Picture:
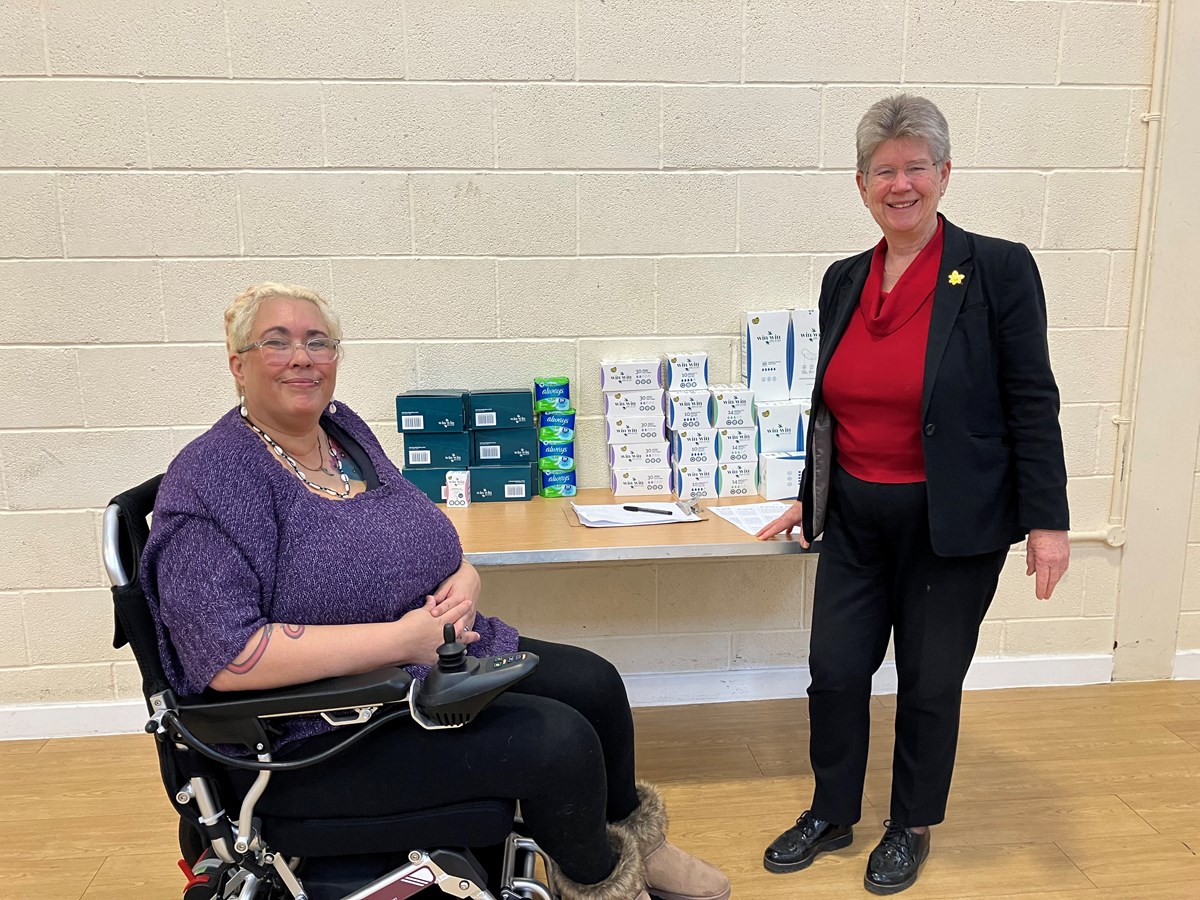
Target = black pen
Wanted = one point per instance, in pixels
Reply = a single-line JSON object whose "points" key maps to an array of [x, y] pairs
{"points": [[661, 512]]}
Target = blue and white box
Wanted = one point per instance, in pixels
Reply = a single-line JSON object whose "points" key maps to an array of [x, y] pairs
{"points": [[691, 480], [688, 409], [782, 426], [737, 479], [737, 445], [779, 475], [731, 406], [806, 345], [767, 353], [687, 371], [694, 446]]}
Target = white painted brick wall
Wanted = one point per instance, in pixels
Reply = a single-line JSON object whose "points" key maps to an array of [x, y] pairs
{"points": [[492, 191]]}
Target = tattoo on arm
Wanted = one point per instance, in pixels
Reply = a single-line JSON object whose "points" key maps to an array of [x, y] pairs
{"points": [[250, 659]]}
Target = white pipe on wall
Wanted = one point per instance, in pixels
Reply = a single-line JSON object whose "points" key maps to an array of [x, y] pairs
{"points": [[1114, 535]]}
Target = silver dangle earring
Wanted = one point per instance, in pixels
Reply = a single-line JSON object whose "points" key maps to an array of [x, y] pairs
{"points": [[332, 408], [242, 407]]}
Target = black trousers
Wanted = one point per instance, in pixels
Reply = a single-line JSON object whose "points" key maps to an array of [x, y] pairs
{"points": [[561, 742], [878, 575]]}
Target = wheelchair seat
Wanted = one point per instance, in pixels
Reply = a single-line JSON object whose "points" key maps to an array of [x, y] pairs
{"points": [[233, 851]]}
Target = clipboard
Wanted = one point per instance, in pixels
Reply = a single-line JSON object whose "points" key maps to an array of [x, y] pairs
{"points": [[690, 506]]}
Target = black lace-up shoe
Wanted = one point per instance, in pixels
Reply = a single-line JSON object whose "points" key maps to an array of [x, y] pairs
{"points": [[797, 847], [894, 864]]}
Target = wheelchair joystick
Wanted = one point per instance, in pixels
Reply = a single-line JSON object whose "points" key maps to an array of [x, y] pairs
{"points": [[460, 686], [451, 654]]}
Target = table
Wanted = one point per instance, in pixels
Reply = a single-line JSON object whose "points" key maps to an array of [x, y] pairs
{"points": [[539, 532]]}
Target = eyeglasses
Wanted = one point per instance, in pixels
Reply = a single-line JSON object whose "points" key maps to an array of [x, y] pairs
{"points": [[915, 172], [276, 351]]}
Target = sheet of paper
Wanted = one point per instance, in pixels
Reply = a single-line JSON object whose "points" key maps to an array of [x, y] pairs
{"points": [[618, 514], [750, 517]]}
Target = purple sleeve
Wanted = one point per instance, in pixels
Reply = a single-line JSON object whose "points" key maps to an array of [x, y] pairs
{"points": [[209, 598]]}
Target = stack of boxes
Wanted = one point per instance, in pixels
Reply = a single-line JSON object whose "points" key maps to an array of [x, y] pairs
{"points": [[689, 419], [488, 434], [780, 356], [434, 425], [556, 436], [503, 445], [635, 426]]}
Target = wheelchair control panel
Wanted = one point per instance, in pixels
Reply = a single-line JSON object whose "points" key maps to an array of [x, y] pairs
{"points": [[459, 687]]}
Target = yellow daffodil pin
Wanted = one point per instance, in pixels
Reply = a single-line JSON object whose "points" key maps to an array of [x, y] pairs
{"points": [[956, 277]]}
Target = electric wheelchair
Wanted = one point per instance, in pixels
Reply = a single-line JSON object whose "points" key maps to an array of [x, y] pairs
{"points": [[232, 853]]}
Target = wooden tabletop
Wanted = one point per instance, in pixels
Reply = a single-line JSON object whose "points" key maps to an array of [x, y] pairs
{"points": [[542, 531]]}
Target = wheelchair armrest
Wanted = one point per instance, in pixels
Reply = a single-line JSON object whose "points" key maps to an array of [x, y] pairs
{"points": [[234, 718]]}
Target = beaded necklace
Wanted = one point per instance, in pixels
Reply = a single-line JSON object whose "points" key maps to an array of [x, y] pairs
{"points": [[296, 467]]}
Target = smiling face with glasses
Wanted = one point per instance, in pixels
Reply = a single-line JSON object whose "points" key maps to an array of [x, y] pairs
{"points": [[902, 187], [288, 373]]}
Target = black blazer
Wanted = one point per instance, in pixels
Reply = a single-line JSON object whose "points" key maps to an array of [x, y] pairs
{"points": [[994, 464]]}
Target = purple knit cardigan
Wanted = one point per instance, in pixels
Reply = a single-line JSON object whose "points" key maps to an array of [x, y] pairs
{"points": [[237, 541]]}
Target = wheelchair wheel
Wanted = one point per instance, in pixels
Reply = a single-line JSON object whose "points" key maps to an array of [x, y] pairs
{"points": [[191, 841]]}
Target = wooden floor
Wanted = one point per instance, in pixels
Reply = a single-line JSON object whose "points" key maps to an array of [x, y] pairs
{"points": [[1085, 793]]}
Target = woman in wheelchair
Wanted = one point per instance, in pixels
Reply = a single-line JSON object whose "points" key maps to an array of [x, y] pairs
{"points": [[287, 547]]}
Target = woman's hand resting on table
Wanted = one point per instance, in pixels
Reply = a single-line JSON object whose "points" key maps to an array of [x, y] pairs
{"points": [[793, 517], [463, 585]]}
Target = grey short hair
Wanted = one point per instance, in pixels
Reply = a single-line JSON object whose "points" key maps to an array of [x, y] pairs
{"points": [[241, 312], [902, 116]]}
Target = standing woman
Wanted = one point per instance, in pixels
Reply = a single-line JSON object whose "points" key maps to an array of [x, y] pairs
{"points": [[934, 444]]}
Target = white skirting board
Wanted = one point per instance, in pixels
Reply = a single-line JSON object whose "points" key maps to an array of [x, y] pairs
{"points": [[1187, 665], [28, 722]]}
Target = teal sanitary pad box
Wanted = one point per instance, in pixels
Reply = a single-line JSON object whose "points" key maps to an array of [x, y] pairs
{"points": [[431, 482], [431, 411], [512, 408], [504, 446], [492, 483], [437, 451]]}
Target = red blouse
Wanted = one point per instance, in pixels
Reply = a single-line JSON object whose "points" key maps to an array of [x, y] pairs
{"points": [[874, 380]]}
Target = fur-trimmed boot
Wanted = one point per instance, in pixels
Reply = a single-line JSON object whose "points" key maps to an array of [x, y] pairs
{"points": [[671, 874], [627, 881]]}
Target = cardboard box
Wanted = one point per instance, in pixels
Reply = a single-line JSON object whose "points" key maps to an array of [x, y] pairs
{"points": [[635, 430], [737, 445], [431, 482], [687, 371], [779, 475], [490, 484], [503, 446], [437, 451], [631, 374], [782, 426], [806, 345], [731, 406], [632, 482], [766, 352], [634, 403], [511, 408], [639, 456], [694, 446], [688, 409], [690, 481], [431, 411]]}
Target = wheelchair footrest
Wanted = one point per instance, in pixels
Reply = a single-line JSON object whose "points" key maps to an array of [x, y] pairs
{"points": [[452, 872]]}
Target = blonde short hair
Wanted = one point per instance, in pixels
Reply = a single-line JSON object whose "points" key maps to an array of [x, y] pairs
{"points": [[241, 312]]}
